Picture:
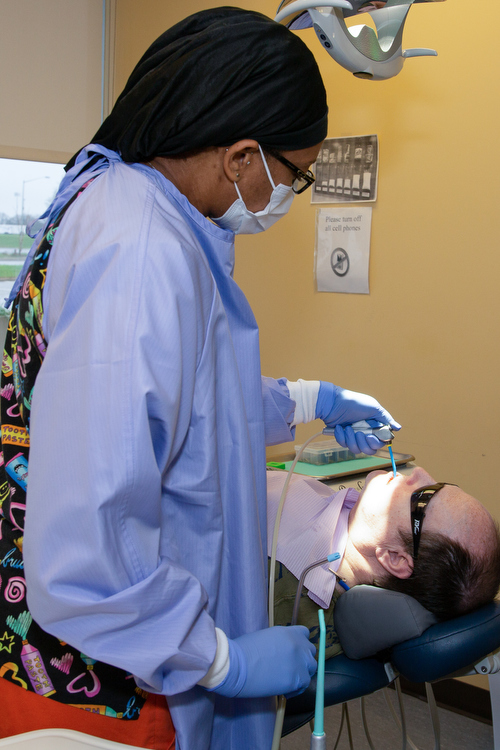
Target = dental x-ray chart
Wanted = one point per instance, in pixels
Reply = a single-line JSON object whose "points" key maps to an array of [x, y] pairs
{"points": [[342, 252], [346, 170]]}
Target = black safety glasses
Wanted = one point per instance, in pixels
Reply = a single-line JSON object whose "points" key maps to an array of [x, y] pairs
{"points": [[420, 499], [302, 180]]}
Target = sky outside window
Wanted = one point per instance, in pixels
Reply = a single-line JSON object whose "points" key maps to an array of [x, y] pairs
{"points": [[37, 181], [25, 187]]}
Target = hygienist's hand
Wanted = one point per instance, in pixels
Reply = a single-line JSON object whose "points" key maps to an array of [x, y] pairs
{"points": [[339, 408], [274, 661]]}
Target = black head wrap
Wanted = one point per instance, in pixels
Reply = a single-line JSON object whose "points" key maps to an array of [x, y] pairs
{"points": [[219, 76]]}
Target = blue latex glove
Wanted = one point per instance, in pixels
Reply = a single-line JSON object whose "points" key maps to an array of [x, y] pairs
{"points": [[274, 661], [339, 408]]}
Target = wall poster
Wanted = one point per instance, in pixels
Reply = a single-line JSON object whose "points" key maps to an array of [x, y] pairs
{"points": [[346, 170]]}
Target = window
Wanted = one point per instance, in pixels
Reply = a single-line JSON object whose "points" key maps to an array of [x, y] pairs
{"points": [[56, 57], [26, 189]]}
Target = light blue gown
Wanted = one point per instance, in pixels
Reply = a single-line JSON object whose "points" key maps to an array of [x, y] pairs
{"points": [[146, 511]]}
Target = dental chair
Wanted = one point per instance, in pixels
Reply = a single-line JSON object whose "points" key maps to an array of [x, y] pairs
{"points": [[385, 634]]}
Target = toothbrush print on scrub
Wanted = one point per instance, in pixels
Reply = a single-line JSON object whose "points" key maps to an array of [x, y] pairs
{"points": [[30, 656]]}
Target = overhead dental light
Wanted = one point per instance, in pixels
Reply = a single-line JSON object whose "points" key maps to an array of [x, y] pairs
{"points": [[368, 54]]}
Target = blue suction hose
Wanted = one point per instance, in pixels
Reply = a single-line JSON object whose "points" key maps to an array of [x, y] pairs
{"points": [[318, 737]]}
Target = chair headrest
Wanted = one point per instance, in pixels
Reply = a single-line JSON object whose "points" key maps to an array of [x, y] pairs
{"points": [[450, 646], [369, 619]]}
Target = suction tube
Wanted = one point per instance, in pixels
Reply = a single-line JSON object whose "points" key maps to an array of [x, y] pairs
{"points": [[318, 737]]}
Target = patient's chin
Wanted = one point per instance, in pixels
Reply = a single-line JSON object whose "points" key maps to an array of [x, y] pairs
{"points": [[373, 474], [370, 477]]}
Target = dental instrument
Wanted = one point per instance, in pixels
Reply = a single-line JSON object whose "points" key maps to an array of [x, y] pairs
{"points": [[368, 427], [372, 427], [318, 737], [370, 54], [393, 462], [383, 432]]}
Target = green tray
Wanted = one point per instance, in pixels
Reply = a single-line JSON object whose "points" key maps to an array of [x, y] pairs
{"points": [[381, 460]]}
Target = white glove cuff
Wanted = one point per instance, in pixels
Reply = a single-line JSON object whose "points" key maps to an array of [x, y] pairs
{"points": [[220, 665], [305, 395]]}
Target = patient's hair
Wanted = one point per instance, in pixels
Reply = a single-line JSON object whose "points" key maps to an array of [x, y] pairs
{"points": [[447, 579]]}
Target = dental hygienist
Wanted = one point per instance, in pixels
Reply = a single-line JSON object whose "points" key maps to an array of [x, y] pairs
{"points": [[134, 359]]}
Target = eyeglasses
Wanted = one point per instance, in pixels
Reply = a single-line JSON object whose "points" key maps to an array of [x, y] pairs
{"points": [[420, 499], [302, 180]]}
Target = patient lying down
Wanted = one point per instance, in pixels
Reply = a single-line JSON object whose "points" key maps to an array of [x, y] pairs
{"points": [[456, 569]]}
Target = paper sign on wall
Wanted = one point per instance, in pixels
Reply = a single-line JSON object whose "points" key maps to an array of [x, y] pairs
{"points": [[343, 249]]}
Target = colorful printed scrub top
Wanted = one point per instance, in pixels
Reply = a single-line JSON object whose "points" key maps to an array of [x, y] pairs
{"points": [[30, 657]]}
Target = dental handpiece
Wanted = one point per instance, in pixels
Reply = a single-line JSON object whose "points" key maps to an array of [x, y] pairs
{"points": [[372, 427], [368, 427], [380, 430]]}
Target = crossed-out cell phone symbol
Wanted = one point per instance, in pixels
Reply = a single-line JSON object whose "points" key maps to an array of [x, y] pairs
{"points": [[339, 261]]}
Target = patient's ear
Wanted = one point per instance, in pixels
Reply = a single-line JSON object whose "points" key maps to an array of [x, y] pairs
{"points": [[396, 561]]}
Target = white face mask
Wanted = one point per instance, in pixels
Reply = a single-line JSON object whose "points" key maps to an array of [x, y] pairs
{"points": [[242, 221]]}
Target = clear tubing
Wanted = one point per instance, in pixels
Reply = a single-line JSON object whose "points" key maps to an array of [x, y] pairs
{"points": [[278, 724], [339, 735], [402, 712], [280, 714], [348, 724], [431, 702], [362, 704]]}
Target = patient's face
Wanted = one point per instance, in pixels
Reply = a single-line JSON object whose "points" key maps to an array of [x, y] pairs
{"points": [[384, 506], [384, 503]]}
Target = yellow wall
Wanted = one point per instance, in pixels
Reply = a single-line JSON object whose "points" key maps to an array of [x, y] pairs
{"points": [[424, 342]]}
